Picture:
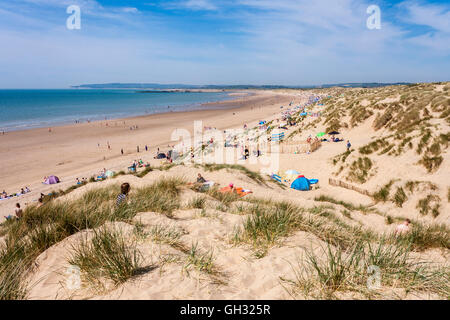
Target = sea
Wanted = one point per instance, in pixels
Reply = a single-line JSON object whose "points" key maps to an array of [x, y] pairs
{"points": [[26, 109]]}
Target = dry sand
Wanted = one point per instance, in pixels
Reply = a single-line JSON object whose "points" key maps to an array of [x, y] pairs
{"points": [[72, 151]]}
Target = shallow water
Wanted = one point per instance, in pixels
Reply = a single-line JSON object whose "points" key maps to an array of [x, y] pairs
{"points": [[24, 109]]}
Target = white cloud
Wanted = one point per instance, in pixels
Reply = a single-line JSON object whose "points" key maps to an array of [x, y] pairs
{"points": [[199, 5], [194, 5], [434, 16], [130, 10]]}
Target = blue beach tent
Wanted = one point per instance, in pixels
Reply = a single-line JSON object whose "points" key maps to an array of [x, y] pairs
{"points": [[301, 183]]}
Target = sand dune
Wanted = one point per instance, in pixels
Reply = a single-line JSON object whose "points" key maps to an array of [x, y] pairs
{"points": [[216, 248]]}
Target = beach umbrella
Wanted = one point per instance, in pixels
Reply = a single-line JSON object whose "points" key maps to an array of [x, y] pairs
{"points": [[320, 134], [332, 133]]}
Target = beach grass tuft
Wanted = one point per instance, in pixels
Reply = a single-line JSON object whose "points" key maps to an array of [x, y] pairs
{"points": [[366, 269], [107, 255]]}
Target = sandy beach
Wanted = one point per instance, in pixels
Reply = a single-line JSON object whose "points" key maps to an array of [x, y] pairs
{"points": [[202, 245], [72, 151]]}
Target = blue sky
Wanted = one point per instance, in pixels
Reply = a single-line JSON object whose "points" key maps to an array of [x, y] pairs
{"points": [[286, 42]]}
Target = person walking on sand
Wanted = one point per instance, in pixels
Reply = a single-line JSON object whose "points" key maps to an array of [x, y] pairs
{"points": [[349, 145], [121, 151], [137, 148], [146, 148]]}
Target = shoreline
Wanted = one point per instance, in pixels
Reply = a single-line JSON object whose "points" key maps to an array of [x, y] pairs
{"points": [[189, 107], [80, 150]]}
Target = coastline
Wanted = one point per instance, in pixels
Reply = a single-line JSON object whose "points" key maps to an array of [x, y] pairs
{"points": [[72, 151], [36, 123]]}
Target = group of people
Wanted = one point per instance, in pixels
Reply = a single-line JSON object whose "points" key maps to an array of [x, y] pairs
{"points": [[310, 139], [5, 195], [137, 164]]}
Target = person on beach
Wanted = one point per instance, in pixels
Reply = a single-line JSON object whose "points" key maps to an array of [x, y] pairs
{"points": [[121, 151], [348, 145], [146, 148], [137, 148], [18, 211], [402, 228], [200, 179], [124, 189]]}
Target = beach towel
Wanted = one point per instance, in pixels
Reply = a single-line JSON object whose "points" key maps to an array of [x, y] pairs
{"points": [[241, 192], [225, 189]]}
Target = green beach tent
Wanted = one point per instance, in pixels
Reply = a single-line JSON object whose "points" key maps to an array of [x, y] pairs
{"points": [[109, 173], [320, 134]]}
